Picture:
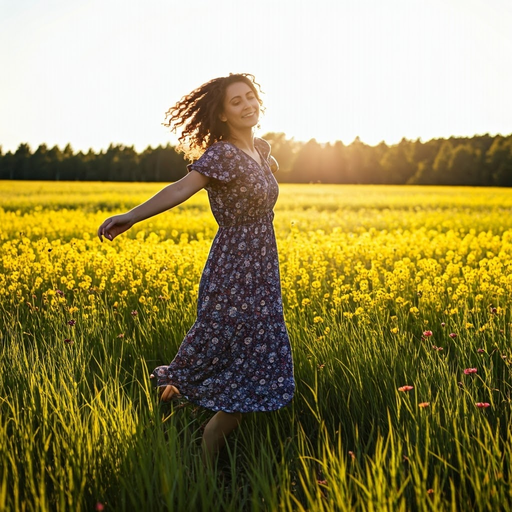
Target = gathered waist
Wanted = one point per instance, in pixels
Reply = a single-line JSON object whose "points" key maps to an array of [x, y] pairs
{"points": [[262, 219]]}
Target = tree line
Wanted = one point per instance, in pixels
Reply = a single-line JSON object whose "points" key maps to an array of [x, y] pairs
{"points": [[482, 160]]}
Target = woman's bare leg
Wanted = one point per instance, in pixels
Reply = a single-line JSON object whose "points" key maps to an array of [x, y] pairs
{"points": [[216, 431]]}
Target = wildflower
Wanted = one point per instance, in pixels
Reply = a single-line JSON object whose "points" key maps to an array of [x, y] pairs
{"points": [[483, 405], [352, 454], [430, 492], [480, 350], [394, 330], [120, 335], [320, 366], [322, 482], [423, 405], [442, 324], [134, 312], [59, 292], [405, 388], [99, 507], [68, 341], [452, 335], [427, 334], [469, 371], [318, 319], [494, 311], [437, 348], [72, 322]]}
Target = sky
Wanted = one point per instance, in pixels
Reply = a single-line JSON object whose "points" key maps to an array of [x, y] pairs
{"points": [[95, 72]]}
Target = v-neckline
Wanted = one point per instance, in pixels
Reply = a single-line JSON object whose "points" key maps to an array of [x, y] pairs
{"points": [[260, 165]]}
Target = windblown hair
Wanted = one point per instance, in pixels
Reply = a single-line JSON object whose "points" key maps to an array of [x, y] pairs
{"points": [[196, 115]]}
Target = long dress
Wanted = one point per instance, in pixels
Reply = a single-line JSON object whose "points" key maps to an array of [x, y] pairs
{"points": [[237, 357]]}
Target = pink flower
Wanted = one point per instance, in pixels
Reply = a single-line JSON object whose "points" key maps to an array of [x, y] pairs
{"points": [[72, 322], [480, 350], [352, 454], [134, 312], [68, 341], [405, 388], [59, 292], [452, 335], [483, 405], [469, 371], [427, 334], [442, 324], [322, 482], [120, 335], [99, 507], [423, 405]]}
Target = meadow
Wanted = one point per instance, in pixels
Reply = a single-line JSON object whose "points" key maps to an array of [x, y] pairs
{"points": [[398, 306]]}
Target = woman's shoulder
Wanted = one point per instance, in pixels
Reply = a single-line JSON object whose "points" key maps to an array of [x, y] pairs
{"points": [[217, 162]]}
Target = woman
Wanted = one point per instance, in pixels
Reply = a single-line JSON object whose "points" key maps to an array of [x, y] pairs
{"points": [[236, 358]]}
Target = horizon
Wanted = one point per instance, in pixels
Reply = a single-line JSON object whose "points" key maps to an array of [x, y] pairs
{"points": [[321, 143], [93, 74]]}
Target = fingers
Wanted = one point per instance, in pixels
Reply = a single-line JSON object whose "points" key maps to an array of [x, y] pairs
{"points": [[103, 230], [168, 392]]}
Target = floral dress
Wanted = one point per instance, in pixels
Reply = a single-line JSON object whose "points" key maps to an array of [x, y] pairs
{"points": [[237, 357]]}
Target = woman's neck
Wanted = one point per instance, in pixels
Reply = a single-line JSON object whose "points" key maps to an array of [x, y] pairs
{"points": [[242, 140]]}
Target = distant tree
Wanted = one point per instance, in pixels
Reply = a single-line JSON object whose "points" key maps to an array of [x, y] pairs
{"points": [[397, 163], [306, 167], [463, 166], [7, 166], [499, 161], [355, 161], [41, 167], [21, 163], [441, 163]]}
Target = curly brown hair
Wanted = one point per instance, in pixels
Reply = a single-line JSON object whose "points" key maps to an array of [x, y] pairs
{"points": [[197, 114]]}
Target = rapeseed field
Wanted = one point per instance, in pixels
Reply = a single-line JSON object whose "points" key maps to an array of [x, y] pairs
{"points": [[398, 304]]}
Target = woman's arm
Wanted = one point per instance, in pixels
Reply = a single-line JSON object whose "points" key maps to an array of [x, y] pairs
{"points": [[274, 166], [169, 197]]}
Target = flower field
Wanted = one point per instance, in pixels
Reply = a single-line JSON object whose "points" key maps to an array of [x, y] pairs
{"points": [[398, 302]]}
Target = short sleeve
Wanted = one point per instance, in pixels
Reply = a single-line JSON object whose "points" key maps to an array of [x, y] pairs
{"points": [[217, 162], [263, 146]]}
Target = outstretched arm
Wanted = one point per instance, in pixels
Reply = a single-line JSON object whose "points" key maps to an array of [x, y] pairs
{"points": [[169, 197]]}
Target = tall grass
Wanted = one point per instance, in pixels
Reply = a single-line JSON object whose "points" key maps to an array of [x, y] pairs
{"points": [[367, 276]]}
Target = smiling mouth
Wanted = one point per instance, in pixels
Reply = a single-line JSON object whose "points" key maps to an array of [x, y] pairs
{"points": [[249, 115]]}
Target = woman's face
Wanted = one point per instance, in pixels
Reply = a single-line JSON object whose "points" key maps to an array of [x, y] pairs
{"points": [[241, 108]]}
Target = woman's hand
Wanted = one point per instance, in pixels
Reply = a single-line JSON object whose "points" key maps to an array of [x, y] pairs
{"points": [[168, 393], [114, 226]]}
